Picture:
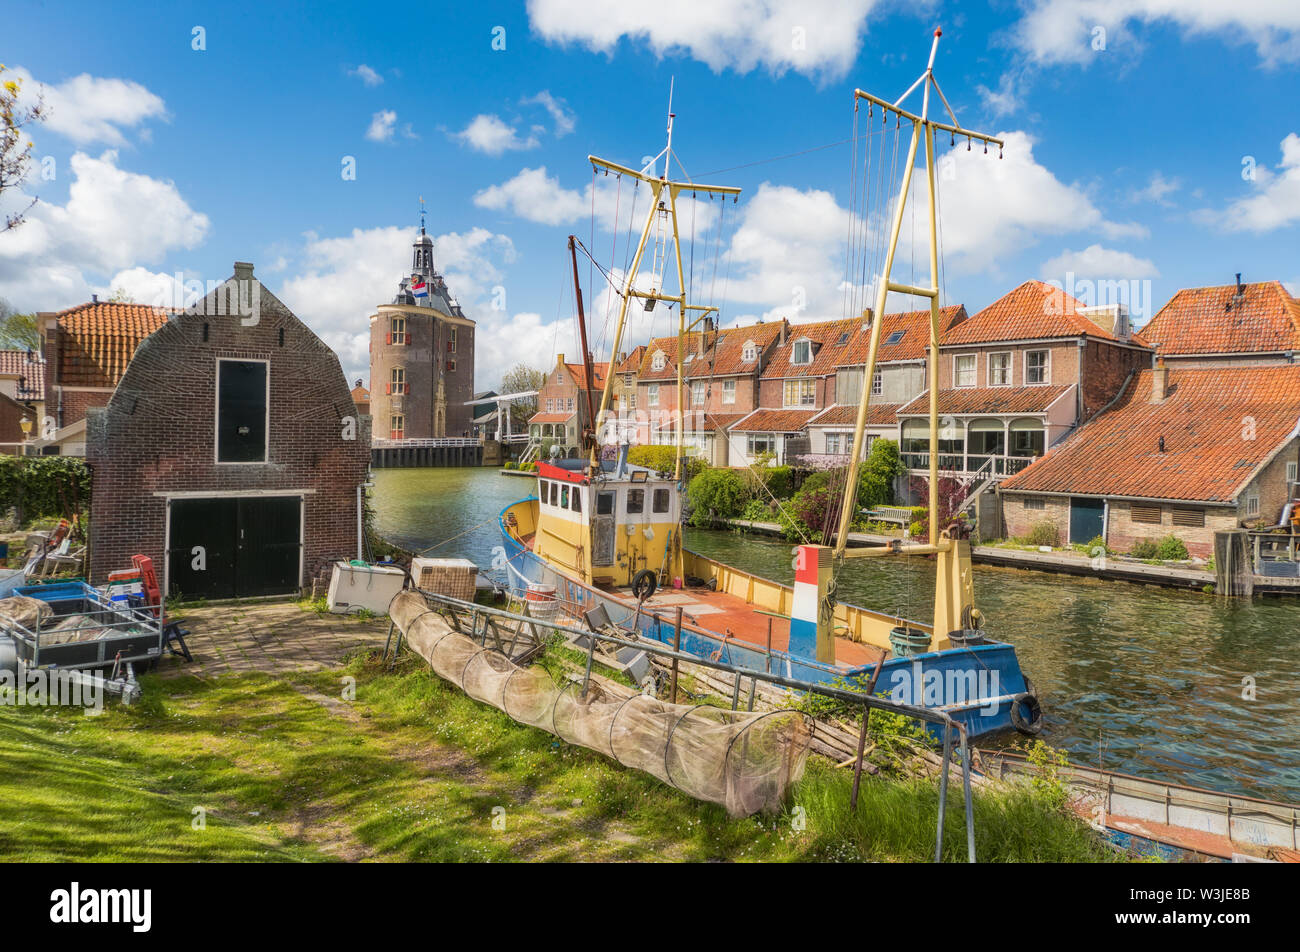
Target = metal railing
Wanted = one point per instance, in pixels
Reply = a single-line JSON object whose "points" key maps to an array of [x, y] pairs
{"points": [[968, 464], [485, 621], [383, 444]]}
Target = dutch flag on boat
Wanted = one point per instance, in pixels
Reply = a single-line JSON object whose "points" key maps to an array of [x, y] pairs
{"points": [[419, 288]]}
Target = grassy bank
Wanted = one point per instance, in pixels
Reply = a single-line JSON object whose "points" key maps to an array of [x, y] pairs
{"points": [[284, 769]]}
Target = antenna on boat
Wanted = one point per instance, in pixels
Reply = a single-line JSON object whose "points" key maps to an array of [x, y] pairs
{"points": [[923, 128]]}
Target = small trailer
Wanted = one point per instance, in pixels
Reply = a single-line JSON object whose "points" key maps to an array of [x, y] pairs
{"points": [[87, 629]]}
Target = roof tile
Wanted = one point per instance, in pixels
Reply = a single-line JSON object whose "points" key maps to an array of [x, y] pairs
{"points": [[1265, 319], [1033, 311]]}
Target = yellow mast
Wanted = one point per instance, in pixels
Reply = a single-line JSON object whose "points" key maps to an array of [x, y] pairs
{"points": [[922, 125]]}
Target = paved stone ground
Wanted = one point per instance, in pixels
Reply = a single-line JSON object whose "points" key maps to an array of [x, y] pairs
{"points": [[270, 637]]}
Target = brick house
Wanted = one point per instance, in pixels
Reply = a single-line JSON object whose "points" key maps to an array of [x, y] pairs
{"points": [[22, 385], [361, 399], [1182, 451], [900, 376], [421, 357], [561, 415], [721, 382], [230, 452], [1233, 325], [1018, 376], [87, 349]]}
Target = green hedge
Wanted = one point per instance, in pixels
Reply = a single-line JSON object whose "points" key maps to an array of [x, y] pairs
{"points": [[663, 459], [39, 486]]}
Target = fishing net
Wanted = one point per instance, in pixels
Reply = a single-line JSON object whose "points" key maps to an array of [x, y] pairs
{"points": [[744, 761]]}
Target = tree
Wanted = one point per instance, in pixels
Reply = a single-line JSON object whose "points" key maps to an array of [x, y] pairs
{"points": [[520, 379], [18, 331], [15, 147]]}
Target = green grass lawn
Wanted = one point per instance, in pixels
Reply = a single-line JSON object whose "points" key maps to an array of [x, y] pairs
{"points": [[411, 769]]}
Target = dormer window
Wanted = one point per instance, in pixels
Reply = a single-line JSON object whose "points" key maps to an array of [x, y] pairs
{"points": [[750, 352], [801, 352], [659, 361], [894, 338]]}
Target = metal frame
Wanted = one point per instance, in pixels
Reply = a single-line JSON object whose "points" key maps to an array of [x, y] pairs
{"points": [[484, 620]]}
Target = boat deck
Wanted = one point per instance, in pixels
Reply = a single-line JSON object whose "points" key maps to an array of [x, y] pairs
{"points": [[724, 614]]}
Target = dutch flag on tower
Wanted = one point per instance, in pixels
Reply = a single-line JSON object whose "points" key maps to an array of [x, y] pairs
{"points": [[419, 288]]}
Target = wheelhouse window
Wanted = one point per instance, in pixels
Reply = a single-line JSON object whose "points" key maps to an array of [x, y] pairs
{"points": [[1036, 367], [800, 393], [242, 395], [728, 391], [999, 370], [635, 502], [660, 500], [575, 500], [964, 370]]}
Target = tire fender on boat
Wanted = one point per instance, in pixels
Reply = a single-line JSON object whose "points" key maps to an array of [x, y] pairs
{"points": [[1026, 711], [644, 581]]}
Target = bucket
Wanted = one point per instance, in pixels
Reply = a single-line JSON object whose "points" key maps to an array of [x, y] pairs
{"points": [[909, 641], [541, 600], [966, 637]]}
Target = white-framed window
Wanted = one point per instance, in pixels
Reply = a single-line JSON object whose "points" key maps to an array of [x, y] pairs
{"points": [[1292, 472], [652, 395], [699, 389], [1000, 369], [397, 334], [396, 426], [1252, 505], [800, 393], [631, 399], [963, 370], [838, 444], [728, 391], [877, 383], [1035, 502], [451, 340], [570, 407], [1037, 367], [629, 380], [761, 443], [243, 411], [801, 352], [397, 381], [749, 353], [658, 361], [550, 404]]}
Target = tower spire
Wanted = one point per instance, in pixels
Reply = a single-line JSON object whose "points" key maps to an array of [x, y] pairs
{"points": [[422, 214]]}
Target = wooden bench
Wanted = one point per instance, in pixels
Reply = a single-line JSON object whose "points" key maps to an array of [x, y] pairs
{"points": [[896, 514]]}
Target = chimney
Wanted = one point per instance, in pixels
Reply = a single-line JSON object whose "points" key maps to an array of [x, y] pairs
{"points": [[1159, 383], [94, 299], [243, 271], [560, 361], [785, 331], [1241, 288]]}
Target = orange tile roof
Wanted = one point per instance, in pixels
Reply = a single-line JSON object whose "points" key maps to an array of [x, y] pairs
{"points": [[578, 373], [827, 349], [360, 394], [878, 414], [1205, 459], [633, 362], [1032, 311], [1213, 321], [30, 368], [99, 339], [915, 326], [988, 400], [774, 421], [550, 418], [712, 421], [724, 358]]}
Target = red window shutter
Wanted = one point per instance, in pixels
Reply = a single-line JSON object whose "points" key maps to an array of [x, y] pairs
{"points": [[406, 388], [388, 388], [388, 338]]}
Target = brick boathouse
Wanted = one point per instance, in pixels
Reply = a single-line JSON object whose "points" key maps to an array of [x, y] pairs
{"points": [[230, 452]]}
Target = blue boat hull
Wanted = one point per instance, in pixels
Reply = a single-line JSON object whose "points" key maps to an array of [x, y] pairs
{"points": [[976, 685]]}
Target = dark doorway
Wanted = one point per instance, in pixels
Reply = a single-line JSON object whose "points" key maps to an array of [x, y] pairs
{"points": [[1087, 520], [234, 548]]}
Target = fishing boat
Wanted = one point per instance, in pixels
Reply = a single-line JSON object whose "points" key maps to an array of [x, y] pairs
{"points": [[601, 532]]}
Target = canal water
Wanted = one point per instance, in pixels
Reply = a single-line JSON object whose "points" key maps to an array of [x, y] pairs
{"points": [[1148, 681]]}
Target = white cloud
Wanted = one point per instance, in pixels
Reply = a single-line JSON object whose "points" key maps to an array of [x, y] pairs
{"points": [[535, 196], [1096, 262], [381, 125], [1156, 190], [366, 75], [492, 135], [559, 110], [1276, 199], [1065, 31], [1007, 98], [813, 37], [113, 220], [89, 108]]}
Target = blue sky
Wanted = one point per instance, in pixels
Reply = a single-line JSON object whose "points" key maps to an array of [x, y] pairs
{"points": [[1129, 129]]}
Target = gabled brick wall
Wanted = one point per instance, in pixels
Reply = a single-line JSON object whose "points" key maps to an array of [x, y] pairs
{"points": [[157, 433]]}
